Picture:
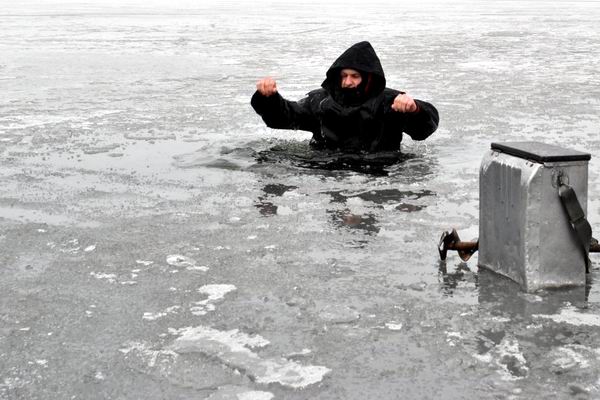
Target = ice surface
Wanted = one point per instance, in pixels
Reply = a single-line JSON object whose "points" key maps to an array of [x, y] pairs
{"points": [[126, 125]]}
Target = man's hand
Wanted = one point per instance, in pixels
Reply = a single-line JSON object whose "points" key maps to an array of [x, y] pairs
{"points": [[405, 104], [266, 86]]}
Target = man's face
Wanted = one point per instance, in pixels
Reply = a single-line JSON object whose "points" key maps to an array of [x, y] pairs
{"points": [[350, 78]]}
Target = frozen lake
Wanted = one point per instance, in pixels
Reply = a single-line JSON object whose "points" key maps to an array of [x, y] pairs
{"points": [[157, 241]]}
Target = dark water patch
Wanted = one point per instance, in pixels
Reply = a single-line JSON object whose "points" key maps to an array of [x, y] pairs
{"points": [[409, 207], [489, 338], [301, 155], [277, 189], [266, 207]]}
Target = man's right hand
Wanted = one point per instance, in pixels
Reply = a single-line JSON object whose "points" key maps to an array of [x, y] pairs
{"points": [[266, 86]]}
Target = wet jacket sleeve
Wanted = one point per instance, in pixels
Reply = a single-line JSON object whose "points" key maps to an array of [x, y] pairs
{"points": [[421, 124], [279, 113], [418, 125]]}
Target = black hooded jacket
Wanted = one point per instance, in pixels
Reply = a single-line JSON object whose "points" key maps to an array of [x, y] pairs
{"points": [[359, 120]]}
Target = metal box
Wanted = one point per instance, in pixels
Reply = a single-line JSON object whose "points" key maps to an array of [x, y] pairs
{"points": [[524, 231]]}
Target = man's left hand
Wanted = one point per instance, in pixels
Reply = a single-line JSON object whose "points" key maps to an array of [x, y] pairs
{"points": [[405, 104]]}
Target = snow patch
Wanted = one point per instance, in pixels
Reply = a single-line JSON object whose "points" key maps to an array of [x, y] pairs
{"points": [[148, 316], [153, 316], [233, 348], [201, 268], [147, 354], [569, 357], [177, 260], [239, 393], [453, 337], [111, 278], [571, 316], [393, 326], [215, 292], [188, 263], [508, 357], [255, 395]]}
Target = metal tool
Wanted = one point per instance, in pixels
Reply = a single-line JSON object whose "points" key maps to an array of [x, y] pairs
{"points": [[451, 241]]}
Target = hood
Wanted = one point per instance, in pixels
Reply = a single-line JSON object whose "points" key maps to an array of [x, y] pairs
{"points": [[361, 57]]}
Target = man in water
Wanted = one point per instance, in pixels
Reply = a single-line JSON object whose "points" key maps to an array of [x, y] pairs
{"points": [[353, 111]]}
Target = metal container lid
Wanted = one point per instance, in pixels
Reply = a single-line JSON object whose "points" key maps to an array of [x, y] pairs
{"points": [[540, 152]]}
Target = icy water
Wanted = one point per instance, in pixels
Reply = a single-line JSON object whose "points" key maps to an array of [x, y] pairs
{"points": [[158, 242]]}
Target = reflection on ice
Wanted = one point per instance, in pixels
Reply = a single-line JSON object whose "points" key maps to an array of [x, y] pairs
{"points": [[226, 158], [504, 296], [345, 218], [461, 276]]}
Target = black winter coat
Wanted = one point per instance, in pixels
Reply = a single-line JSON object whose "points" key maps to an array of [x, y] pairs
{"points": [[371, 125]]}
